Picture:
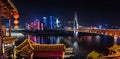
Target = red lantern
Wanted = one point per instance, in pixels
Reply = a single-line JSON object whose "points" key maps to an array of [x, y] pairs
{"points": [[16, 27], [16, 15], [16, 21]]}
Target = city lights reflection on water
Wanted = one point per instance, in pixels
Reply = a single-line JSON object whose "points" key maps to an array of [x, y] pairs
{"points": [[14, 34], [75, 44], [82, 45], [97, 39]]}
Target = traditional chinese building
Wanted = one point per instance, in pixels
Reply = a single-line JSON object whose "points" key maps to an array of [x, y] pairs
{"points": [[35, 50], [94, 55], [114, 52]]}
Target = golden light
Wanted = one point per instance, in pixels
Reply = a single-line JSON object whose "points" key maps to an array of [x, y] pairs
{"points": [[16, 27], [16, 21], [106, 33], [16, 15]]}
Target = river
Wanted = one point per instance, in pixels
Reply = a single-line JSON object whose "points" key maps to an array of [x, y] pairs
{"points": [[82, 44]]}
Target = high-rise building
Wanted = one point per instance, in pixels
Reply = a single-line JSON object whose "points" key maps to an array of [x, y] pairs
{"points": [[35, 25], [45, 21], [57, 23], [52, 22]]}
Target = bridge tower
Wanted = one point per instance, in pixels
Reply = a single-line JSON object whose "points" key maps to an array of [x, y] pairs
{"points": [[75, 25]]}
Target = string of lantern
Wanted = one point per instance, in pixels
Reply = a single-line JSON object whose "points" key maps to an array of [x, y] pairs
{"points": [[16, 16]]}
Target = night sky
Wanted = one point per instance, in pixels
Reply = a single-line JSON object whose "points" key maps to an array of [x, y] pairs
{"points": [[90, 12]]}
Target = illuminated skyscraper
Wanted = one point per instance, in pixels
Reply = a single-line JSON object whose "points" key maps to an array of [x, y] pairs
{"points": [[45, 21], [57, 23], [51, 22]]}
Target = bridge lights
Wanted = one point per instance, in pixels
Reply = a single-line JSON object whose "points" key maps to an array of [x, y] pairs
{"points": [[110, 34], [106, 33]]}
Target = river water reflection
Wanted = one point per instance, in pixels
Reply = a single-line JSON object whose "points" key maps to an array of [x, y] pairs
{"points": [[82, 45]]}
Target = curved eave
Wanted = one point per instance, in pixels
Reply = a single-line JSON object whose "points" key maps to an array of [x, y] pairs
{"points": [[49, 47], [10, 5]]}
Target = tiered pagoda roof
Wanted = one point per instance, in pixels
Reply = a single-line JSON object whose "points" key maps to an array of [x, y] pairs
{"points": [[114, 52], [115, 47], [28, 47], [48, 47], [7, 7], [26, 43], [8, 39], [94, 55]]}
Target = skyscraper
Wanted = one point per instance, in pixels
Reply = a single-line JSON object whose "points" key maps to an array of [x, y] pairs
{"points": [[52, 22], [45, 21]]}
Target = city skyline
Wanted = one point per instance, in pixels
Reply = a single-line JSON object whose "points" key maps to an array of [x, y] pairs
{"points": [[89, 12], [59, 29]]}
